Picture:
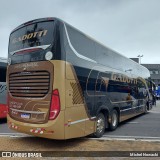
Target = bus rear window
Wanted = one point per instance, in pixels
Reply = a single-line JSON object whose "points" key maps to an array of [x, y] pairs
{"points": [[33, 35]]}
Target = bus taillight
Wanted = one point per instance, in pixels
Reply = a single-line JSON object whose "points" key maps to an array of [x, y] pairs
{"points": [[55, 105], [7, 103], [28, 50]]}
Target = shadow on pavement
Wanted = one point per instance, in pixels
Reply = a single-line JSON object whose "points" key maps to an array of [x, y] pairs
{"points": [[4, 120]]}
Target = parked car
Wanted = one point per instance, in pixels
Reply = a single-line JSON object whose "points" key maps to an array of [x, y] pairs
{"points": [[3, 88]]}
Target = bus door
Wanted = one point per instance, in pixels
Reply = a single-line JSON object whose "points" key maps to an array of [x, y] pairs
{"points": [[142, 95]]}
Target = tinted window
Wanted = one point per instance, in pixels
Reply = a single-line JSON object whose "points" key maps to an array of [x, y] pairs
{"points": [[104, 56], [32, 35], [120, 91], [142, 91], [81, 43]]}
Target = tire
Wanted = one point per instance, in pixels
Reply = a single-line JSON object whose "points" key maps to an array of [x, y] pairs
{"points": [[100, 126], [114, 120]]}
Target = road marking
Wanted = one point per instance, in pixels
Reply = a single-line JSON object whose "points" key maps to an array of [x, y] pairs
{"points": [[130, 136], [137, 138], [132, 122], [105, 137], [14, 135], [154, 112]]}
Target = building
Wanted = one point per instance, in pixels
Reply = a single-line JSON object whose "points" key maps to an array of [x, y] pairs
{"points": [[135, 59], [154, 71]]}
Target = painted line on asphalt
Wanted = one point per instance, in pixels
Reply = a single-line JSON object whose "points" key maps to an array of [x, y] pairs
{"points": [[132, 122], [154, 112], [14, 135], [105, 137], [129, 136], [134, 138]]}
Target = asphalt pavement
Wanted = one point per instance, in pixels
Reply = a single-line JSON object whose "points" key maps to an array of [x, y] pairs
{"points": [[4, 127]]}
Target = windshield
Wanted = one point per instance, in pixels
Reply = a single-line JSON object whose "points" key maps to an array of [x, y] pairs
{"points": [[28, 39], [33, 35]]}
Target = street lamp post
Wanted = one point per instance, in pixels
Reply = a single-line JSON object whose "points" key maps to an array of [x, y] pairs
{"points": [[140, 56]]}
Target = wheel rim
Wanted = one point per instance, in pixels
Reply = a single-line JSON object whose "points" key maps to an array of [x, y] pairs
{"points": [[100, 125], [114, 119]]}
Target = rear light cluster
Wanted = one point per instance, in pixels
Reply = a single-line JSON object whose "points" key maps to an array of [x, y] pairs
{"points": [[12, 125], [28, 50], [55, 105], [8, 103]]}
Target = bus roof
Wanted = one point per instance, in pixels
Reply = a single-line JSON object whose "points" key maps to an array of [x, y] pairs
{"points": [[54, 18], [34, 21]]}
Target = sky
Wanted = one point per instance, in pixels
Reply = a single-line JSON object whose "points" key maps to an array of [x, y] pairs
{"points": [[130, 27]]}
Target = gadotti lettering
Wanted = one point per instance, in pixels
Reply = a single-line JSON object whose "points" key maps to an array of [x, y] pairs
{"points": [[30, 35], [122, 78]]}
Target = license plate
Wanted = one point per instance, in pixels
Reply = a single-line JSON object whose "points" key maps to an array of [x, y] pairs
{"points": [[25, 115]]}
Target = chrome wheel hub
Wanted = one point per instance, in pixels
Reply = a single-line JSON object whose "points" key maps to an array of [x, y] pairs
{"points": [[114, 119], [100, 125]]}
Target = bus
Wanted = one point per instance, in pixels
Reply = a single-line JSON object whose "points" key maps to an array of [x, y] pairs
{"points": [[157, 92], [3, 88], [63, 84]]}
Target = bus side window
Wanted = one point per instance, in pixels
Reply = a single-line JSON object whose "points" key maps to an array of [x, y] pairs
{"points": [[134, 92], [81, 43], [142, 92], [118, 91]]}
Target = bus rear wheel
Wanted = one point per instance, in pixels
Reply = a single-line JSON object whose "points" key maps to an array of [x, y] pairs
{"points": [[100, 126], [114, 120]]}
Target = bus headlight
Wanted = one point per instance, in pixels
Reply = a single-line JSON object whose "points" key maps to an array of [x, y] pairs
{"points": [[49, 55]]}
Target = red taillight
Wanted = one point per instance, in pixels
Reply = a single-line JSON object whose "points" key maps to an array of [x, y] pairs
{"points": [[55, 105], [28, 50], [7, 103]]}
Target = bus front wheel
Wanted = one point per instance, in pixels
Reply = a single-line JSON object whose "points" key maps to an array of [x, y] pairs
{"points": [[114, 120], [100, 126]]}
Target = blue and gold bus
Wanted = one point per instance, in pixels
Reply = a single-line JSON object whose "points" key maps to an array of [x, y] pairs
{"points": [[63, 84]]}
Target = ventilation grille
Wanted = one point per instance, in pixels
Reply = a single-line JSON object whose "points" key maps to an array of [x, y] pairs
{"points": [[77, 94], [34, 84]]}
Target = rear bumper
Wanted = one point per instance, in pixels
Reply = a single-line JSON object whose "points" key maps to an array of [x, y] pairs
{"points": [[51, 129]]}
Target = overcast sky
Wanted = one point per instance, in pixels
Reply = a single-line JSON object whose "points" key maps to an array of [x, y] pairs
{"points": [[130, 27]]}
